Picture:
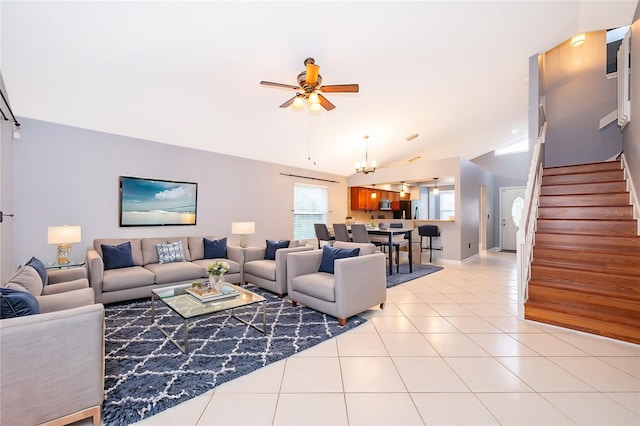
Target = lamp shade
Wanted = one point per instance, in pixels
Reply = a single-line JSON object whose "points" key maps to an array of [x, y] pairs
{"points": [[64, 234], [243, 228]]}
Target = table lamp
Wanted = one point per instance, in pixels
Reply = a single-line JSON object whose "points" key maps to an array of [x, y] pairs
{"points": [[64, 236], [243, 228]]}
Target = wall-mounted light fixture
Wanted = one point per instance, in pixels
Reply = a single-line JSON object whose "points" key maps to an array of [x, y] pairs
{"points": [[578, 39]]}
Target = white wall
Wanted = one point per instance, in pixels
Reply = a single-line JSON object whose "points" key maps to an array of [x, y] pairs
{"points": [[66, 175]]}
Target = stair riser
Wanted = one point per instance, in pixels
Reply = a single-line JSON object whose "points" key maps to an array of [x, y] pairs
{"points": [[588, 227], [615, 331], [628, 264], [583, 168], [620, 199], [599, 212], [621, 311], [624, 244], [582, 177], [586, 188], [596, 282]]}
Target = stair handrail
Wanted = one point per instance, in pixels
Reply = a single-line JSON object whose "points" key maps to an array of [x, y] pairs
{"points": [[525, 237], [633, 195]]}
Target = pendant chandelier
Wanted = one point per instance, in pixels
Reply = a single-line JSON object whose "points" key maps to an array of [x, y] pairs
{"points": [[364, 166]]}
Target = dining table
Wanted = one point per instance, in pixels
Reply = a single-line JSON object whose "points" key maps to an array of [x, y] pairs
{"points": [[390, 233]]}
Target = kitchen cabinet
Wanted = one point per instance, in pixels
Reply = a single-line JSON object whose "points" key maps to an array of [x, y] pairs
{"points": [[395, 202]]}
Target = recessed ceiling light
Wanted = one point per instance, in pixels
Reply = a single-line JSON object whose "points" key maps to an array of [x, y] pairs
{"points": [[514, 131], [412, 137], [415, 159]]}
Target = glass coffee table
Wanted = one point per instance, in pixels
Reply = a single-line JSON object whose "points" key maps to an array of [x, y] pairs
{"points": [[188, 306]]}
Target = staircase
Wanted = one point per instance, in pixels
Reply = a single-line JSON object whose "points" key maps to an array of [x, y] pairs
{"points": [[585, 273]]}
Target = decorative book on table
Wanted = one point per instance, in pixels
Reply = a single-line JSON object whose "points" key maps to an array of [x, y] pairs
{"points": [[205, 295]]}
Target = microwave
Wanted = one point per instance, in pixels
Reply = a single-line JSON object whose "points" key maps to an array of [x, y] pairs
{"points": [[385, 205]]}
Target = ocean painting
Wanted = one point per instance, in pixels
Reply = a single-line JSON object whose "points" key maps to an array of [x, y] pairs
{"points": [[154, 202]]}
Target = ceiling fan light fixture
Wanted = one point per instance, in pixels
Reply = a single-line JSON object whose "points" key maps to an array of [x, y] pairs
{"points": [[315, 107], [314, 99], [298, 104]]}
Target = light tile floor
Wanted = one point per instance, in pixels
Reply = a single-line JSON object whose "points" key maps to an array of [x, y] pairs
{"points": [[448, 349]]}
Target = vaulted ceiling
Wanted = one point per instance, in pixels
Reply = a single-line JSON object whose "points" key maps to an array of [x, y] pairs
{"points": [[188, 73]]}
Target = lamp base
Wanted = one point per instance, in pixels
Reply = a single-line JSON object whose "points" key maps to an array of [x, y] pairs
{"points": [[64, 251], [243, 240]]}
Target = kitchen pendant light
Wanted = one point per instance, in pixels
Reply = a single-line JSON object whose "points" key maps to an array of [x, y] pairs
{"points": [[436, 191], [402, 193]]}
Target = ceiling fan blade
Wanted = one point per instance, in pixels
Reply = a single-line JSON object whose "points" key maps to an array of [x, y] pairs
{"points": [[312, 73], [286, 86], [325, 103], [289, 102], [337, 88]]}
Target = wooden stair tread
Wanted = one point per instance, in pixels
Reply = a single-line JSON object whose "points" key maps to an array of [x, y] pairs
{"points": [[584, 168]]}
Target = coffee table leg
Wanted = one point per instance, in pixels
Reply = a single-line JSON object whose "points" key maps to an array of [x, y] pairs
{"points": [[264, 319]]}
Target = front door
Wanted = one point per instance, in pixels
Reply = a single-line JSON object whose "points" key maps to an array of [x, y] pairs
{"points": [[511, 205]]}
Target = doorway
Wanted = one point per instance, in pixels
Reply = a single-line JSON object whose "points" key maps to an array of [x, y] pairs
{"points": [[483, 219], [511, 206], [6, 198]]}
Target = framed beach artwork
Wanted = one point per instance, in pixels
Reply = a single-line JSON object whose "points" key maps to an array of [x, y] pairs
{"points": [[157, 202]]}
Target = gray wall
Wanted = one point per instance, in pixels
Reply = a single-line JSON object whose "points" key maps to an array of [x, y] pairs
{"points": [[66, 175], [507, 170], [632, 131], [468, 197], [578, 95]]}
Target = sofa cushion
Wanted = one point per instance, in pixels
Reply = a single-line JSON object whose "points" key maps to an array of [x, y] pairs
{"points": [[115, 257], [215, 249], [272, 246], [170, 252], [26, 278], [330, 254], [196, 246], [149, 250], [319, 285], [263, 268], [37, 264], [185, 246], [17, 303], [126, 278], [174, 272], [136, 247]]}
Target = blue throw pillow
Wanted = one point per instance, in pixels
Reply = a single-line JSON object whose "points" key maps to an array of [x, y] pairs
{"points": [[215, 249], [37, 264], [330, 254], [16, 303], [115, 257], [272, 246]]}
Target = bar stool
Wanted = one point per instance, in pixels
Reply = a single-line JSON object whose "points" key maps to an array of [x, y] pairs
{"points": [[428, 231], [322, 234]]}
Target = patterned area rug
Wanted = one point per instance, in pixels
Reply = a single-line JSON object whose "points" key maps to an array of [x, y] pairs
{"points": [[404, 275], [145, 373]]}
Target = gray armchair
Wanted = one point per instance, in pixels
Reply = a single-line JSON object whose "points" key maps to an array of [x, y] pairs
{"points": [[52, 367], [357, 283], [269, 274]]}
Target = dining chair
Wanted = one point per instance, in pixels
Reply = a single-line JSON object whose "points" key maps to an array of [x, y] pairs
{"points": [[398, 241], [359, 233], [322, 234], [340, 232]]}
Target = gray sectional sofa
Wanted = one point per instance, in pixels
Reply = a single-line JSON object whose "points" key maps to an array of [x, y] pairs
{"points": [[146, 273]]}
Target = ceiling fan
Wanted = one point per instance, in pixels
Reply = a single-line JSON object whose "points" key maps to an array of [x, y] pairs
{"points": [[309, 86]]}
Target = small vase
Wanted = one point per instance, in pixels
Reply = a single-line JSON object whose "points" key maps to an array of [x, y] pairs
{"points": [[215, 281]]}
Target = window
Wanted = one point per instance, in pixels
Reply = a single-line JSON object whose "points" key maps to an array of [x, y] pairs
{"points": [[447, 204], [310, 205], [513, 148]]}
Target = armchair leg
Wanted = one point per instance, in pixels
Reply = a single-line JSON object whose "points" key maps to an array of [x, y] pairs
{"points": [[342, 322], [294, 303], [93, 412], [382, 305]]}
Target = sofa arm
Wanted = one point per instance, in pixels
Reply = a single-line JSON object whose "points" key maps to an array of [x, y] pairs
{"points": [[235, 253], [281, 259], [95, 267], [63, 275], [67, 300], [51, 365], [63, 287], [253, 253], [361, 282], [302, 263]]}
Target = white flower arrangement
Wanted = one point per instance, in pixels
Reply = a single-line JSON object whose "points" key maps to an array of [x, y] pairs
{"points": [[217, 268]]}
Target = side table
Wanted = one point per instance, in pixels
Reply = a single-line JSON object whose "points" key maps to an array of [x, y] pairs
{"points": [[68, 265]]}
